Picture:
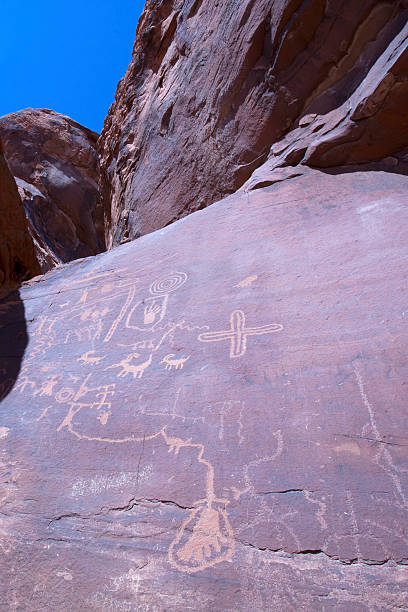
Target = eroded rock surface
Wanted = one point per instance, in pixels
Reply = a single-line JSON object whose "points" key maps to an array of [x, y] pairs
{"points": [[17, 258], [55, 164], [212, 85], [214, 416]]}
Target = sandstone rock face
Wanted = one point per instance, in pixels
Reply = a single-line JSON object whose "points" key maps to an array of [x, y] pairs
{"points": [[213, 417], [212, 85], [55, 163], [17, 257]]}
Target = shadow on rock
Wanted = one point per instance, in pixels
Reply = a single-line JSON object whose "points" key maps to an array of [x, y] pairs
{"points": [[390, 165], [13, 341]]}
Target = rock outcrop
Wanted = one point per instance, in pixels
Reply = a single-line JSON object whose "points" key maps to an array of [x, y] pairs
{"points": [[17, 258], [212, 86], [213, 416], [55, 164]]}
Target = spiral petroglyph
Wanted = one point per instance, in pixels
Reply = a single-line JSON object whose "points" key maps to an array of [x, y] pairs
{"points": [[169, 284]]}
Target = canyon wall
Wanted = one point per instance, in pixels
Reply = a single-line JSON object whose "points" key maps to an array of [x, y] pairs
{"points": [[211, 86]]}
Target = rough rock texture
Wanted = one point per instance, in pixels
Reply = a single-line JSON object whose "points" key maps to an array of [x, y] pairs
{"points": [[213, 417], [17, 258], [212, 85], [55, 163]]}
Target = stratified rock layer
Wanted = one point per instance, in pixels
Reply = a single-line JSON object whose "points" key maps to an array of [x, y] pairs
{"points": [[17, 257], [55, 164], [212, 85], [214, 416]]}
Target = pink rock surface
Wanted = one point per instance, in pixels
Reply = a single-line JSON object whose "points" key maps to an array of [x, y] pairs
{"points": [[55, 164], [214, 416]]}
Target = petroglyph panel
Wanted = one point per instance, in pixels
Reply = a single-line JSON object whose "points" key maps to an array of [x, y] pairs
{"points": [[171, 419]]}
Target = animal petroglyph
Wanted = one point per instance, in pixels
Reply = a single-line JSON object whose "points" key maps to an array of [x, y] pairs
{"points": [[89, 358], [246, 282], [171, 362], [137, 370], [238, 333]]}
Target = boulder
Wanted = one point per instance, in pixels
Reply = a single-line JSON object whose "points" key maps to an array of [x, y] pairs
{"points": [[17, 258], [55, 164], [213, 417]]}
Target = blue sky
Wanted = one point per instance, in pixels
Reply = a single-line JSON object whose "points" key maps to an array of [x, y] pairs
{"points": [[65, 55]]}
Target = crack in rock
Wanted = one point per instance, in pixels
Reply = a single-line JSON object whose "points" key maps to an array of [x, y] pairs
{"points": [[292, 555]]}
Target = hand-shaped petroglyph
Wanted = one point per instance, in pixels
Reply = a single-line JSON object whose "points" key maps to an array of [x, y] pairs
{"points": [[150, 312], [205, 539]]}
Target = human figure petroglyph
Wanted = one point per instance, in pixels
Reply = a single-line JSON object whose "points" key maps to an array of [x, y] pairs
{"points": [[24, 382], [238, 333], [170, 362], [47, 388], [88, 333], [97, 398]]}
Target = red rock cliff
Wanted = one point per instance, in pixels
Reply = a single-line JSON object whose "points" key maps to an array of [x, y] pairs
{"points": [[212, 85], [55, 164]]}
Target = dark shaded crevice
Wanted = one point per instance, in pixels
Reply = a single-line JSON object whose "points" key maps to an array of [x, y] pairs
{"points": [[370, 439], [195, 7], [140, 501], [13, 333], [262, 183], [126, 508], [284, 492], [165, 121]]}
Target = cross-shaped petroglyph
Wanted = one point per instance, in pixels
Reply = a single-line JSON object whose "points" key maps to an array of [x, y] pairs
{"points": [[238, 333]]}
